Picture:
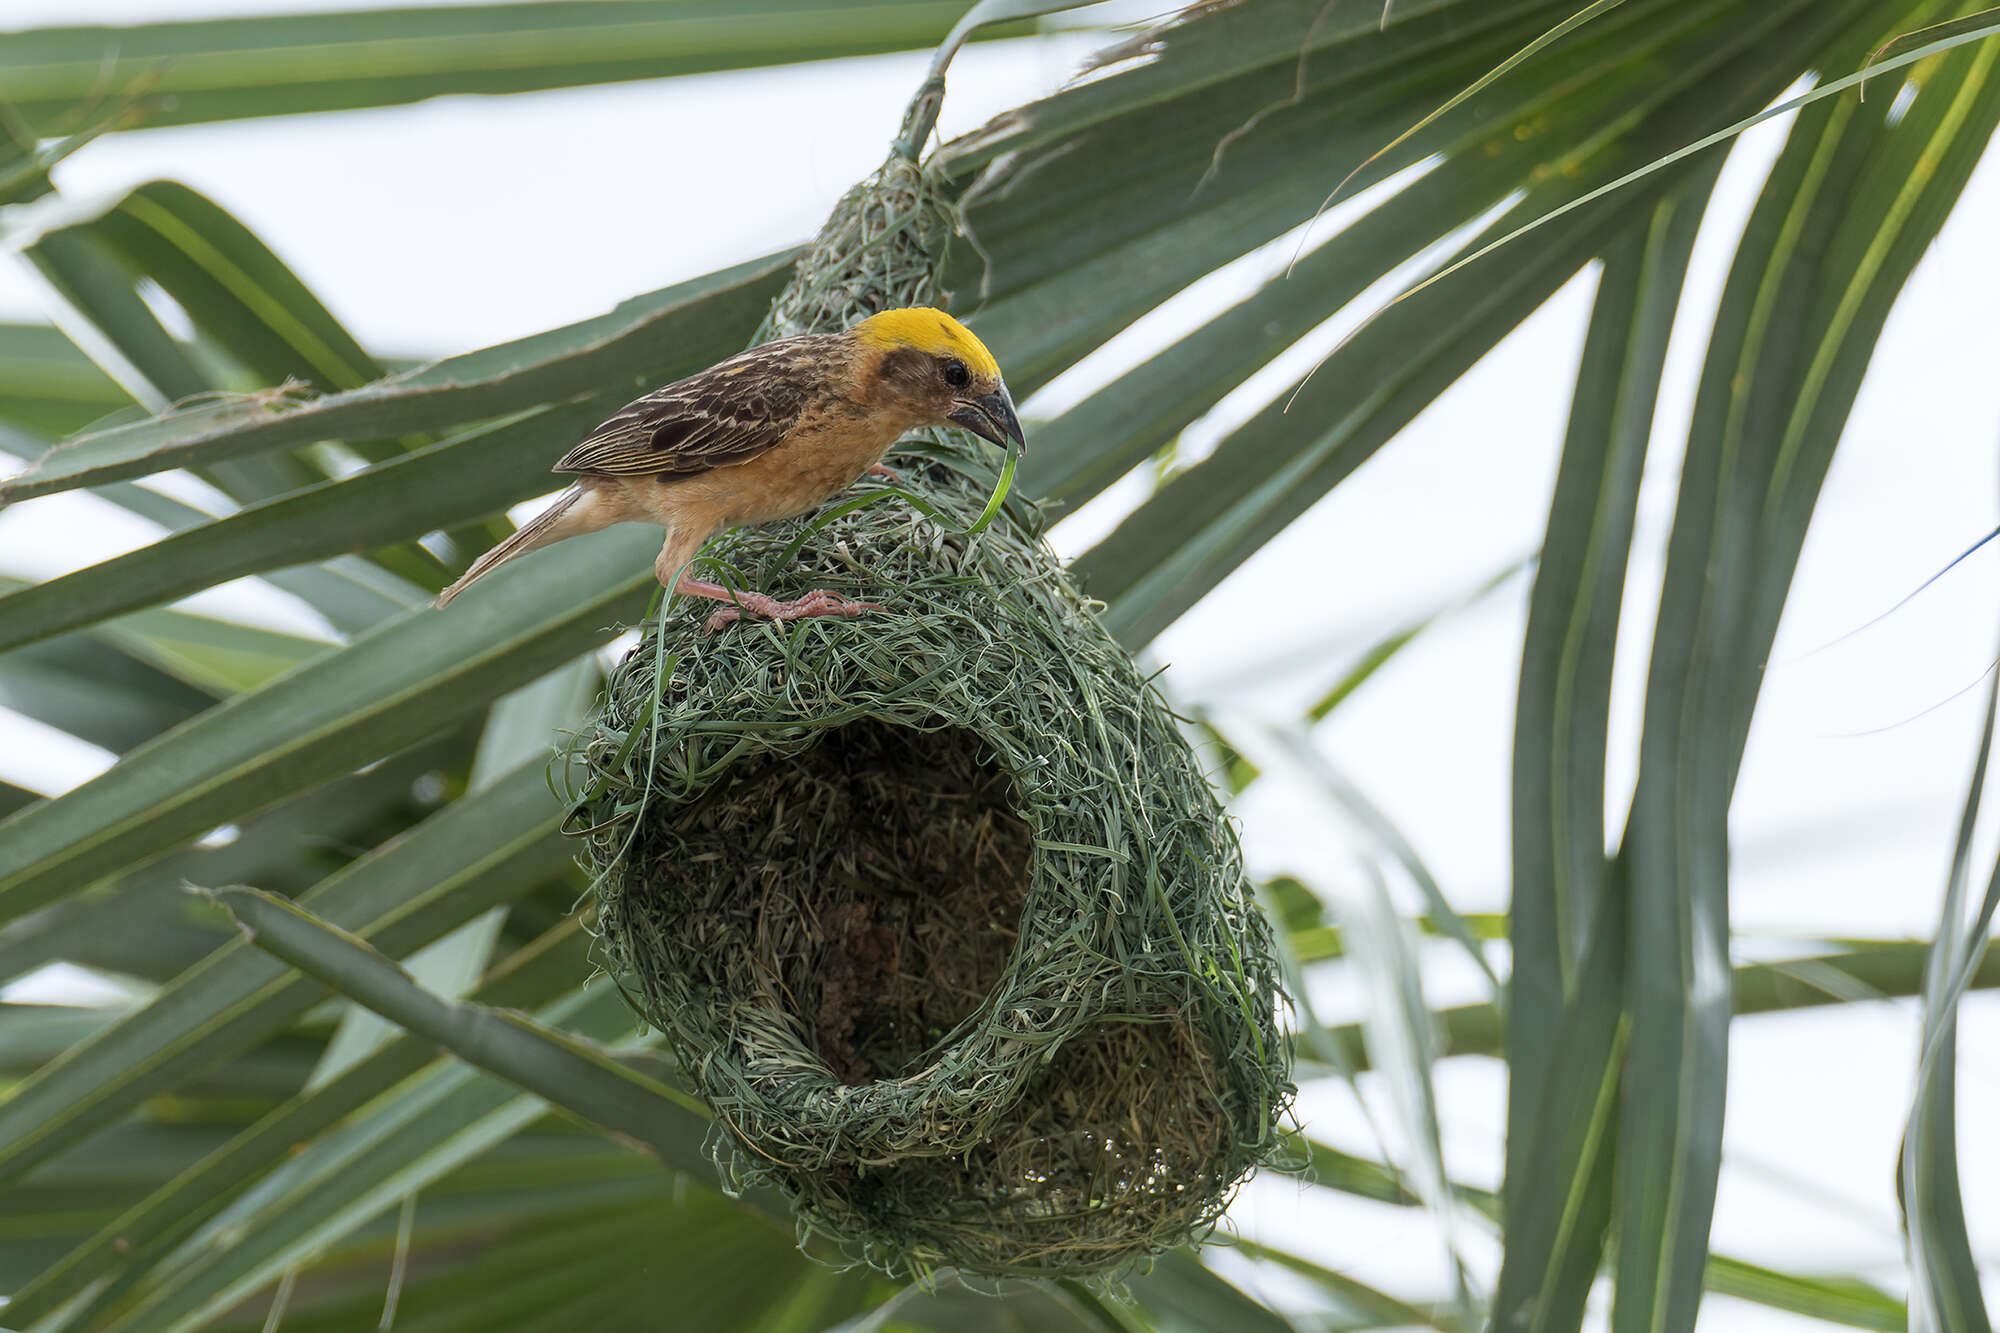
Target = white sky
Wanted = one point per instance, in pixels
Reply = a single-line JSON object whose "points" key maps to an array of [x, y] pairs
{"points": [[466, 221]]}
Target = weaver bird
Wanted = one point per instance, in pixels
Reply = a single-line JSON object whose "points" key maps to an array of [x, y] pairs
{"points": [[768, 434]]}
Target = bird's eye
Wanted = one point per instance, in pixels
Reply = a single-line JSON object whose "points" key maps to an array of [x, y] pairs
{"points": [[956, 375]]}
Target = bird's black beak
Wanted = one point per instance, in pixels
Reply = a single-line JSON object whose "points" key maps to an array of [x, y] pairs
{"points": [[992, 418]]}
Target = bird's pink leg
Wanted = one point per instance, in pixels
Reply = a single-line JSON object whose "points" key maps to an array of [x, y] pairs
{"points": [[878, 470], [817, 603]]}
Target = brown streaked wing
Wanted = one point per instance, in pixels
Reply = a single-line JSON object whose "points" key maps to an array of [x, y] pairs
{"points": [[729, 413]]}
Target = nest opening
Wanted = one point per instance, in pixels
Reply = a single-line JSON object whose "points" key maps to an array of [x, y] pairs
{"points": [[863, 895]]}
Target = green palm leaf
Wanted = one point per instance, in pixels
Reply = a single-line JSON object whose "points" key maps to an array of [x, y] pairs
{"points": [[391, 775]]}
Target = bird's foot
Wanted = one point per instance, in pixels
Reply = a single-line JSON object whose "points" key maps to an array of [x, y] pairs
{"points": [[877, 470], [817, 603]]}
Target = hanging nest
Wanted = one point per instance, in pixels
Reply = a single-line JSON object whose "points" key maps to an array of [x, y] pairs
{"points": [[934, 904]]}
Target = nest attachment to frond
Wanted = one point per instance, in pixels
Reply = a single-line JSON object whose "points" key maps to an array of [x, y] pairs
{"points": [[934, 904]]}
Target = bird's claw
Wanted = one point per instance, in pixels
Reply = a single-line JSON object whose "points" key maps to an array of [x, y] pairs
{"points": [[819, 602], [878, 470]]}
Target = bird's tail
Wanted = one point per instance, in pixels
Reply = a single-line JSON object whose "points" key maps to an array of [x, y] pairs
{"points": [[559, 520]]}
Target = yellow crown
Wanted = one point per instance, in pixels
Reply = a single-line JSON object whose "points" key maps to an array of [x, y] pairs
{"points": [[930, 331]]}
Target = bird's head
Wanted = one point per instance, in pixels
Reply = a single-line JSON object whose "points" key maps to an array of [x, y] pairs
{"points": [[931, 367]]}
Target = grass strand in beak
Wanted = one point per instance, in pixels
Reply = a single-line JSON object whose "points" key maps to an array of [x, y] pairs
{"points": [[1000, 489]]}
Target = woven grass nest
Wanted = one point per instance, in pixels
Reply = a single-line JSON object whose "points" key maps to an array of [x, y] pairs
{"points": [[934, 904]]}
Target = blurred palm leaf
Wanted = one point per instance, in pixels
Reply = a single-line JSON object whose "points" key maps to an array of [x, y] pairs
{"points": [[230, 68], [1944, 1275], [171, 1162]]}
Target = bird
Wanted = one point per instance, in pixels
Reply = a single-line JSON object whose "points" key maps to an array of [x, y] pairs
{"points": [[768, 434]]}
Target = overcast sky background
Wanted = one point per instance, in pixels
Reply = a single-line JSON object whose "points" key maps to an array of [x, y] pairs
{"points": [[462, 222]]}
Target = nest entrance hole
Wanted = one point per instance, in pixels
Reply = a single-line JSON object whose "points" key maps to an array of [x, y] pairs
{"points": [[865, 894]]}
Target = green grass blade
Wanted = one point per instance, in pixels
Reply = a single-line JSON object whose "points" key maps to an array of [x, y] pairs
{"points": [[1203, 53], [556, 1068], [92, 691], [145, 926], [1559, 1188], [83, 272], [1154, 230], [1181, 1292], [1849, 209], [952, 1306], [1384, 650], [353, 594], [1759, 988], [604, 1265], [421, 1132], [48, 388], [214, 657], [1398, 1030], [1473, 89], [242, 299], [234, 288], [1944, 1273], [1844, 1301], [1202, 525], [523, 727], [1564, 1037], [476, 852], [246, 304], [1180, 543], [1356, 1305], [1950, 27], [1847, 1302], [132, 1244], [698, 321], [119, 330], [1444, 917], [409, 678], [217, 656], [1979, 33], [471, 475], [191, 72]]}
